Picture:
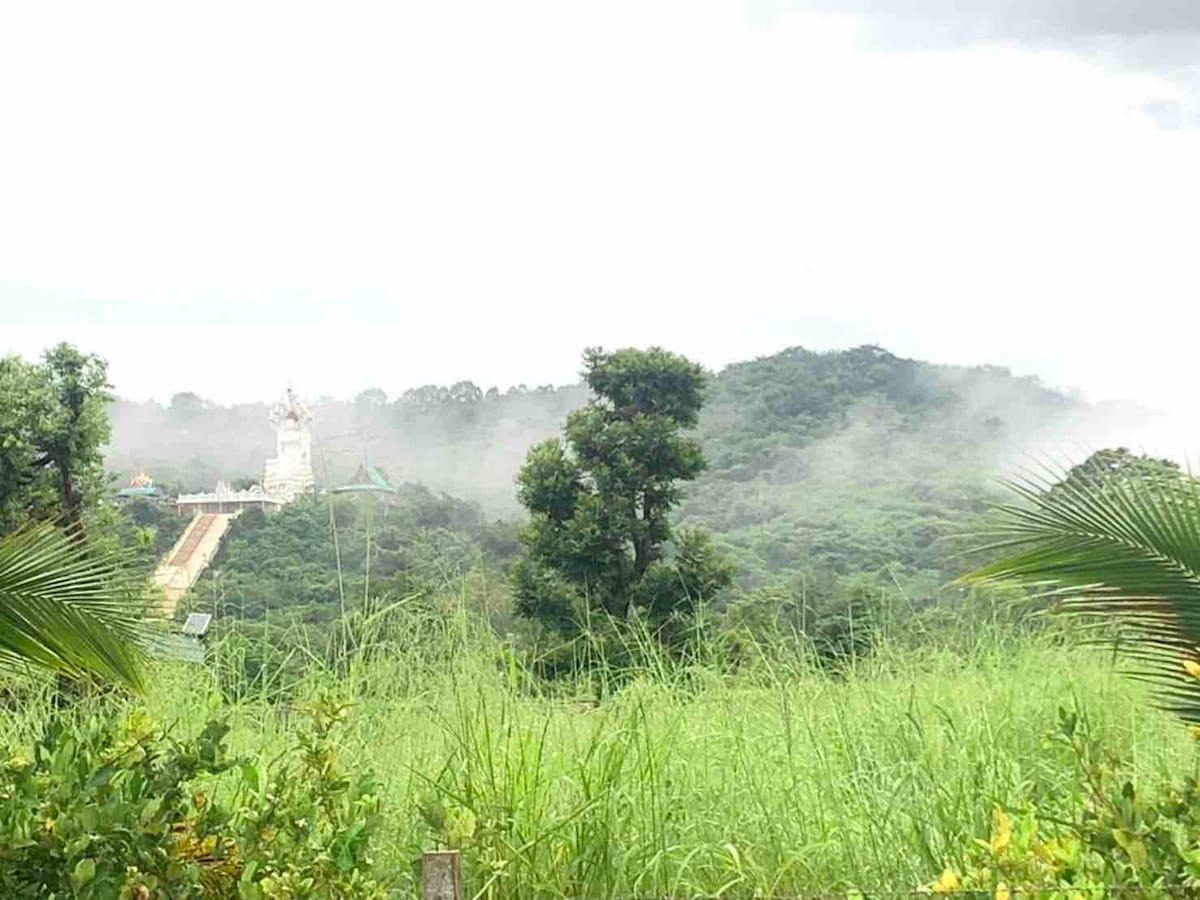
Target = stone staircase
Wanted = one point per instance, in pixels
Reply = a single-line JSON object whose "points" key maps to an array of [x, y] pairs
{"points": [[190, 556]]}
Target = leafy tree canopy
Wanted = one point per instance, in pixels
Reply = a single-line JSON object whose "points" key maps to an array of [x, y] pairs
{"points": [[600, 498], [1116, 466], [288, 562], [53, 423]]}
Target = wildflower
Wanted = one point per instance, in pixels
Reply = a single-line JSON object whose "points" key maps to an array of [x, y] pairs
{"points": [[1194, 731], [139, 725], [1001, 830], [1192, 667], [947, 883], [18, 763], [1002, 892]]}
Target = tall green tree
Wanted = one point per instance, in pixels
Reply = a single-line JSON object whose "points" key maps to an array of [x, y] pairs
{"points": [[53, 424], [76, 421], [600, 498], [25, 490]]}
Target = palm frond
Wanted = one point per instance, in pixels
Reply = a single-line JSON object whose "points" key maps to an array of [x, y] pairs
{"points": [[68, 608], [1126, 552]]}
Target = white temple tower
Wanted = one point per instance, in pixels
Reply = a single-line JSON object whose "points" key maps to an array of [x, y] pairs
{"points": [[289, 474]]}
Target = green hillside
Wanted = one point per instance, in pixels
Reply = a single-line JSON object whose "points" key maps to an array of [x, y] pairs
{"points": [[834, 478], [858, 460]]}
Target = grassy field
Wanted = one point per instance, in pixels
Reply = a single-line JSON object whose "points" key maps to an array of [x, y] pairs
{"points": [[688, 778]]}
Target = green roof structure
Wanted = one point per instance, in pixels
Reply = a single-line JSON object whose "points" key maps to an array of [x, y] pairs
{"points": [[141, 485], [367, 480]]}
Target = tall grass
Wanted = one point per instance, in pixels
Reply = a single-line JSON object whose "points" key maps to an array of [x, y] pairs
{"points": [[680, 777]]}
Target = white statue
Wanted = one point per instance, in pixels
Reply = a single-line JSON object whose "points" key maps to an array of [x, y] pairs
{"points": [[289, 473]]}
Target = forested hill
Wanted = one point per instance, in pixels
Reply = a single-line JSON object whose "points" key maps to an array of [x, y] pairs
{"points": [[798, 396], [839, 462], [862, 462]]}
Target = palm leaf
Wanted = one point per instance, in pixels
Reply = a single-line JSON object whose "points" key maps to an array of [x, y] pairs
{"points": [[1125, 552], [67, 608]]}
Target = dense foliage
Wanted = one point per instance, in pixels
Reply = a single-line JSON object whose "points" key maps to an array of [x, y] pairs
{"points": [[775, 779], [600, 500], [53, 424], [1115, 466], [1123, 840], [319, 556], [104, 808], [148, 528], [65, 603], [107, 806], [856, 461], [835, 480], [53, 429]]}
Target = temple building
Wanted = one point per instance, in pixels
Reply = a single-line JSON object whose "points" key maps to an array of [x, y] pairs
{"points": [[289, 473], [367, 480], [286, 476], [141, 485], [226, 500]]}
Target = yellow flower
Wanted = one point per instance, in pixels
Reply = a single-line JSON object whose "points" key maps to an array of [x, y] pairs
{"points": [[947, 883], [18, 762], [139, 724], [1001, 830], [1002, 891], [1192, 667], [1194, 731]]}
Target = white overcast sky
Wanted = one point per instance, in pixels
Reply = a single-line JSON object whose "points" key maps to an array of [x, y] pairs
{"points": [[225, 197]]}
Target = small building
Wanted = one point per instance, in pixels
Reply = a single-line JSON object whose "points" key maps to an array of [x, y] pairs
{"points": [[225, 500], [141, 485], [187, 644], [367, 480]]}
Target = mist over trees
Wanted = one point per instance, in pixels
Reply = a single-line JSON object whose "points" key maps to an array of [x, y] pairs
{"points": [[764, 417], [464, 440], [831, 478]]}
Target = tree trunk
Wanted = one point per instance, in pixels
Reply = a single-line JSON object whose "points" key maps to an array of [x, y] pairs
{"points": [[72, 518], [644, 550], [641, 556]]}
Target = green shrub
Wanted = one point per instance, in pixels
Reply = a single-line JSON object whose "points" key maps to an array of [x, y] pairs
{"points": [[1122, 840], [108, 807], [306, 828]]}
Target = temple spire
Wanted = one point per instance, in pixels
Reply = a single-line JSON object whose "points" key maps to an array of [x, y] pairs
{"points": [[289, 473]]}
